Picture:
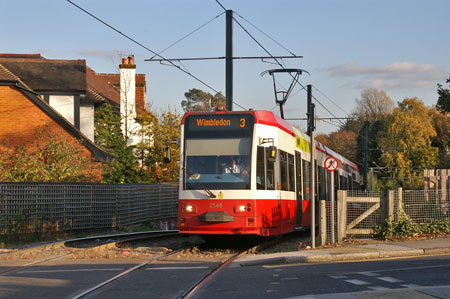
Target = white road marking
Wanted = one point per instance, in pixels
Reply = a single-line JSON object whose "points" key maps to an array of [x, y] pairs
{"points": [[338, 276], [390, 279], [290, 278], [378, 288], [357, 282], [177, 268], [74, 270], [411, 285], [371, 274]]}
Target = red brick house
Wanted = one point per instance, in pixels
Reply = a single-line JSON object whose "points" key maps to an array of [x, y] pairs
{"points": [[23, 112], [63, 95]]}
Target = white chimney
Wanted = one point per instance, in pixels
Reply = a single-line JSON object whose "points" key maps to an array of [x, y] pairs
{"points": [[128, 96]]}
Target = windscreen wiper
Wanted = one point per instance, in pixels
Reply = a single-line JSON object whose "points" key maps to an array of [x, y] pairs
{"points": [[208, 192]]}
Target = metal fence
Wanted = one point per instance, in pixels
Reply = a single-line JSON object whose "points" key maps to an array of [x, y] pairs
{"points": [[358, 213], [41, 207]]}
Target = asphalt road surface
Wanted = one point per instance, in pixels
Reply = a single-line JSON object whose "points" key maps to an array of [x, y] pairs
{"points": [[67, 278], [287, 281]]}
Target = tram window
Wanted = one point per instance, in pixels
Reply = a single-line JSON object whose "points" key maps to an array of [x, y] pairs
{"points": [[260, 175], [322, 183], [306, 181], [298, 169], [270, 172], [284, 171], [291, 172]]}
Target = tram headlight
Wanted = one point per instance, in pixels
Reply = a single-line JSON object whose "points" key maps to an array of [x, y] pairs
{"points": [[243, 208], [189, 208]]}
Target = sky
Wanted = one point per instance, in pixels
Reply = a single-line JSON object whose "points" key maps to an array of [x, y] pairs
{"points": [[401, 47]]}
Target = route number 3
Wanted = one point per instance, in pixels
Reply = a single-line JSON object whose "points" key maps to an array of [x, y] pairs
{"points": [[242, 124]]}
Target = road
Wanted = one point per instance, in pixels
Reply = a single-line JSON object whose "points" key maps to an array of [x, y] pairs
{"points": [[286, 281], [65, 278]]}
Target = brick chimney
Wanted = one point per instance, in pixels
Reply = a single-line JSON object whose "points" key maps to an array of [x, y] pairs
{"points": [[128, 94]]}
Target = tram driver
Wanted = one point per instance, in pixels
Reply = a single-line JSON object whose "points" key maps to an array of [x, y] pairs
{"points": [[233, 167]]}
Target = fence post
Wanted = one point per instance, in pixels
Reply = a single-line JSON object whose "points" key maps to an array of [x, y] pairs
{"points": [[323, 222], [390, 205], [342, 214], [400, 204]]}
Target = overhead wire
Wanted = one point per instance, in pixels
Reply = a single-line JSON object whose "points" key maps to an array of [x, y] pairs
{"points": [[330, 100], [276, 60], [254, 26], [143, 46], [187, 35]]}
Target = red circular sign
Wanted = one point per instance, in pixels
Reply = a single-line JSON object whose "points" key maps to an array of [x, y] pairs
{"points": [[331, 164]]}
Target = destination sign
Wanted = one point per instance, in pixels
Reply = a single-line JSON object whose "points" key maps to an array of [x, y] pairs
{"points": [[237, 123]]}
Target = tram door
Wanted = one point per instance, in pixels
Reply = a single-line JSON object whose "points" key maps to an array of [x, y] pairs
{"points": [[298, 185]]}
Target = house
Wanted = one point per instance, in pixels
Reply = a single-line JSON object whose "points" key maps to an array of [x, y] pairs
{"points": [[126, 91], [74, 90], [23, 111]]}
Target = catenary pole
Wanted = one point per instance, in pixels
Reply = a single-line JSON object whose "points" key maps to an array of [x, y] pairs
{"points": [[229, 61], [311, 129]]}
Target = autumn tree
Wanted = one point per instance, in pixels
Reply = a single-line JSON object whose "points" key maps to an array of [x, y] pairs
{"points": [[373, 105], [198, 100], [166, 132], [342, 142], [441, 124], [443, 103], [407, 143]]}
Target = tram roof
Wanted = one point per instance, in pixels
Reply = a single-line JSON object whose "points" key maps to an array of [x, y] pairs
{"points": [[271, 119], [261, 117]]}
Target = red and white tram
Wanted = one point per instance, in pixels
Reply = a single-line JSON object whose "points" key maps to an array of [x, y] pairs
{"points": [[248, 173]]}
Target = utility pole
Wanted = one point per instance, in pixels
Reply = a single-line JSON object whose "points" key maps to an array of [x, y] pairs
{"points": [[311, 129], [229, 60], [366, 155]]}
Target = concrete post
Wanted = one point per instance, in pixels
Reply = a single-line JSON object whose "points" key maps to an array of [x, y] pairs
{"points": [[342, 215], [323, 222], [390, 205]]}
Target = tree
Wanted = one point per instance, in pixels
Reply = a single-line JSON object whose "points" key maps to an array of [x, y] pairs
{"points": [[51, 157], [407, 143], [374, 105], [441, 124], [166, 132], [123, 168], [443, 103], [198, 100], [342, 142]]}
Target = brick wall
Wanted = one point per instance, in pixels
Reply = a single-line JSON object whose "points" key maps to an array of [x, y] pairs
{"points": [[21, 118]]}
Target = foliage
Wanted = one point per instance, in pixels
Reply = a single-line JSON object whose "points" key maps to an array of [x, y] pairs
{"points": [[198, 100], [342, 142], [166, 132], [373, 106], [441, 124], [443, 103], [51, 157], [123, 168], [407, 228], [408, 142]]}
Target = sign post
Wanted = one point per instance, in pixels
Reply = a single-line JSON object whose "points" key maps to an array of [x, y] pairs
{"points": [[331, 164]]}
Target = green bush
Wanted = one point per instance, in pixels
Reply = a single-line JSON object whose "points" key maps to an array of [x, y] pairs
{"points": [[407, 228]]}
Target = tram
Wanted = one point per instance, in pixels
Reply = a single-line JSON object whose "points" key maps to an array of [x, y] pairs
{"points": [[247, 173]]}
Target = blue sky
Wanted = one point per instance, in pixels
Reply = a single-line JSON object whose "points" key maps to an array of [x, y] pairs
{"points": [[401, 47]]}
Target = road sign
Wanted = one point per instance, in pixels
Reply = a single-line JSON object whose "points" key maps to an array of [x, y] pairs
{"points": [[331, 164]]}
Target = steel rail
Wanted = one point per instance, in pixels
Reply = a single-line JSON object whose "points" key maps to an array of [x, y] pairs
{"points": [[205, 278], [126, 272]]}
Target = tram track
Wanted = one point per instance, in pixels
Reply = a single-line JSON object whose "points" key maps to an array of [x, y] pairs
{"points": [[68, 248], [213, 260]]}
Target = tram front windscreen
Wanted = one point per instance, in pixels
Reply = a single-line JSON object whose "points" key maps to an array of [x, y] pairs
{"points": [[217, 150]]}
